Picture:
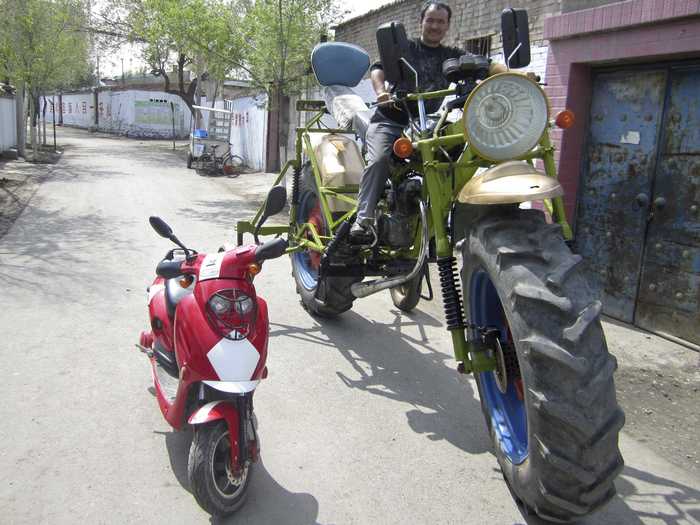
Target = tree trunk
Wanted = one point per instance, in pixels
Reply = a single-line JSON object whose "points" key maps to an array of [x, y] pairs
{"points": [[32, 126], [21, 120], [43, 122]]}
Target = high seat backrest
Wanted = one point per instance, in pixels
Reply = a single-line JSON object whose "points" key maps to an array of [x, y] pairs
{"points": [[339, 63]]}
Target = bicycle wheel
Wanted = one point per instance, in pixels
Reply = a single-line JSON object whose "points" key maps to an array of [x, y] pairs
{"points": [[231, 165]]}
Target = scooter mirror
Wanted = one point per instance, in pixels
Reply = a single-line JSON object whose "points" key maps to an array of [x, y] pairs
{"points": [[160, 226]]}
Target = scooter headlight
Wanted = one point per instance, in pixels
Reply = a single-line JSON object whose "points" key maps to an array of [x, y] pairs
{"points": [[505, 116], [232, 313]]}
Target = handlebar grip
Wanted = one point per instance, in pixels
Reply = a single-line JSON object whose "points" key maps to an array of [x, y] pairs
{"points": [[169, 269], [457, 102], [271, 249]]}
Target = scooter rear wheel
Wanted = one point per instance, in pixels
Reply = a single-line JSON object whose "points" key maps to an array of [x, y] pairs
{"points": [[217, 489]]}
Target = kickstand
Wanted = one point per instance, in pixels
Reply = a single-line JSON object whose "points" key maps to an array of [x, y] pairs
{"points": [[430, 295]]}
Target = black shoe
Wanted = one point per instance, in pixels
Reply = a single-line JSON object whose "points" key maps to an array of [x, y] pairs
{"points": [[362, 233]]}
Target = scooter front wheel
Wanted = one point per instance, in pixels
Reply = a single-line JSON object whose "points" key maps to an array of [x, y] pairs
{"points": [[217, 489]]}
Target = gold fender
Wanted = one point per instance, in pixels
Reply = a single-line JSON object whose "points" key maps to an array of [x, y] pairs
{"points": [[510, 182]]}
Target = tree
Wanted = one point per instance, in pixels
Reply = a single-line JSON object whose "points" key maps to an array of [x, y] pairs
{"points": [[43, 48], [268, 42]]}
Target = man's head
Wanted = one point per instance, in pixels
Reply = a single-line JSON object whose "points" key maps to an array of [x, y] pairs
{"points": [[434, 22]]}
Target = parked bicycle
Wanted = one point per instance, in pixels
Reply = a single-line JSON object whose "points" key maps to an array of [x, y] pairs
{"points": [[210, 162]]}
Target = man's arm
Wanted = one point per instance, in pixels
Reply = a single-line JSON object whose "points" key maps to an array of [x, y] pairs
{"points": [[377, 78]]}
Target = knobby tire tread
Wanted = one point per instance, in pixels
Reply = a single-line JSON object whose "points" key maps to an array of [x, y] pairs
{"points": [[573, 416], [331, 296]]}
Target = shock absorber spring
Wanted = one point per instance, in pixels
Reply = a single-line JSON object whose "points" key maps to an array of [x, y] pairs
{"points": [[451, 295], [296, 183]]}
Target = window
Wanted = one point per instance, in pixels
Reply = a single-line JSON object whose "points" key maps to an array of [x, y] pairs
{"points": [[479, 46]]}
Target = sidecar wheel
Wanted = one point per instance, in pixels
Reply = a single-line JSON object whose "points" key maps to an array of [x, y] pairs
{"points": [[327, 296], [217, 490], [550, 405]]}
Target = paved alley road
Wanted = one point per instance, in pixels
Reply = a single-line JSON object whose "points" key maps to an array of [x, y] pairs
{"points": [[363, 420]]}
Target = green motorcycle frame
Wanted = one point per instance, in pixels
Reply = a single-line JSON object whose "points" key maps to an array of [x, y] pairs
{"points": [[528, 328]]}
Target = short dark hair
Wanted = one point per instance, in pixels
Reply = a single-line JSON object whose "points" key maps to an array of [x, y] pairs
{"points": [[438, 5]]}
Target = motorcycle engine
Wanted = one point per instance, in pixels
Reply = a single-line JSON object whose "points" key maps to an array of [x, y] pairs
{"points": [[397, 222]]}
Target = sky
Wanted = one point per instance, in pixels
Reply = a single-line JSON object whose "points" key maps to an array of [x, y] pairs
{"points": [[111, 65]]}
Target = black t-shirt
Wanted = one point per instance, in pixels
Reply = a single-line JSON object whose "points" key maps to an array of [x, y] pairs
{"points": [[427, 61]]}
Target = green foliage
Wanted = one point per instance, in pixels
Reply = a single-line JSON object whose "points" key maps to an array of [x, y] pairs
{"points": [[278, 37], [43, 44], [265, 41]]}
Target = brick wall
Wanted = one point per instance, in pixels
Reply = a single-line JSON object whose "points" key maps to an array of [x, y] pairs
{"points": [[470, 19]]}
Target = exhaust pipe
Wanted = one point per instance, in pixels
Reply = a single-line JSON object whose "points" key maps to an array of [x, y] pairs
{"points": [[364, 289]]}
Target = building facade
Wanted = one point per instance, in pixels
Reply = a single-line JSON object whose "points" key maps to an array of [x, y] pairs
{"points": [[630, 166]]}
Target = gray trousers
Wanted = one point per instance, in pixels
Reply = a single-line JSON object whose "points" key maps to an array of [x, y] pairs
{"points": [[379, 141]]}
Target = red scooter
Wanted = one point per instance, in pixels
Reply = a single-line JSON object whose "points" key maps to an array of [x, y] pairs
{"points": [[208, 346]]}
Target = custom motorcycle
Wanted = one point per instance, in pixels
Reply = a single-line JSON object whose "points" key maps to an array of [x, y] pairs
{"points": [[208, 349], [529, 326]]}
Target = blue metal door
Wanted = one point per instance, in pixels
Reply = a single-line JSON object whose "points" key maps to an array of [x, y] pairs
{"points": [[638, 219], [611, 221], [669, 292]]}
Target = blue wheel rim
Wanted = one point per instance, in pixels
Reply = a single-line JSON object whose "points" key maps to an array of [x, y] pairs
{"points": [[307, 274], [507, 411]]}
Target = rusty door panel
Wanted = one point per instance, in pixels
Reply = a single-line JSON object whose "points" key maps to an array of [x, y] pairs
{"points": [[669, 294], [625, 119]]}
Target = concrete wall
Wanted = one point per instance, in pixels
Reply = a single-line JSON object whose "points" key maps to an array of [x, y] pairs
{"points": [[8, 123], [134, 113]]}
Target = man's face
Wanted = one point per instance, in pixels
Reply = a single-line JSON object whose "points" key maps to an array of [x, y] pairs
{"points": [[434, 26]]}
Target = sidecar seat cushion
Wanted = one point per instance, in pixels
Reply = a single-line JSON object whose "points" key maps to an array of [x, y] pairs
{"points": [[339, 63], [343, 104]]}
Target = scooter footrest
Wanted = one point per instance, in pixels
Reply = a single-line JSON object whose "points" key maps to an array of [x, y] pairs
{"points": [[168, 383]]}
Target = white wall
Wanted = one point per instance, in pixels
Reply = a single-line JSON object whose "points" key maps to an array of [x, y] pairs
{"points": [[249, 129], [134, 113], [8, 124]]}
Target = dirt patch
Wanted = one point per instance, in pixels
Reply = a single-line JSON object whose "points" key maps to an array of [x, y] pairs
{"points": [[662, 411], [14, 195], [658, 387]]}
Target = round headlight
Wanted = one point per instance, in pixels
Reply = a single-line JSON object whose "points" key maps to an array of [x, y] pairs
{"points": [[505, 116]]}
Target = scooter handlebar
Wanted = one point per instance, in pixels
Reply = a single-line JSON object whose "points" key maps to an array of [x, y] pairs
{"points": [[271, 249], [169, 269]]}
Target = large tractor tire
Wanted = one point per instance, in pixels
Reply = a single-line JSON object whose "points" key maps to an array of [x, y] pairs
{"points": [[550, 405], [326, 296]]}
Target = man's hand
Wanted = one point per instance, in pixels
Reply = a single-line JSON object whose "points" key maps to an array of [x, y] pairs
{"points": [[496, 68], [383, 97]]}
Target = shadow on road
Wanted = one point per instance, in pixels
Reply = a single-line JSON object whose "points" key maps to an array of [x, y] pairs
{"points": [[267, 500], [408, 369], [404, 368]]}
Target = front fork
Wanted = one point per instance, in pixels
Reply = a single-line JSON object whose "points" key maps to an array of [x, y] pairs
{"points": [[471, 356]]}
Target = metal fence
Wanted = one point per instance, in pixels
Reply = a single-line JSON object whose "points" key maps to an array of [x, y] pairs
{"points": [[8, 124], [249, 129]]}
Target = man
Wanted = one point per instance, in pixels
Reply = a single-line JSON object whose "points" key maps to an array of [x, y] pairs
{"points": [[426, 55]]}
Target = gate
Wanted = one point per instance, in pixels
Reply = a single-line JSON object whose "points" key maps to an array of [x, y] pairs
{"points": [[638, 224]]}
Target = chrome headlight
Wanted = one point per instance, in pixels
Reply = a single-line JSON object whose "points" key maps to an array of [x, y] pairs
{"points": [[505, 116]]}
